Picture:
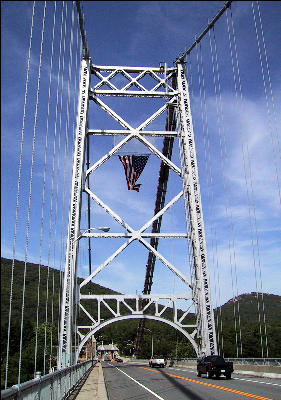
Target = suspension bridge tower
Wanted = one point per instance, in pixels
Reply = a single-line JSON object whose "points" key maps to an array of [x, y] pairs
{"points": [[172, 87]]}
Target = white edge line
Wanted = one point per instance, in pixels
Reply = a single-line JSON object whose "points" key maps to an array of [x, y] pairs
{"points": [[150, 391], [250, 380]]}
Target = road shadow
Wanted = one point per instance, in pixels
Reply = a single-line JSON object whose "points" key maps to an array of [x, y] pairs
{"points": [[185, 390], [77, 388], [175, 382]]}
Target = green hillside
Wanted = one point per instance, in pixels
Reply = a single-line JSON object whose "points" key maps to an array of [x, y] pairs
{"points": [[239, 324], [250, 323]]}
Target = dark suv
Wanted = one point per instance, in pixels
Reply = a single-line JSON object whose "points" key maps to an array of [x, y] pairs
{"points": [[214, 366]]}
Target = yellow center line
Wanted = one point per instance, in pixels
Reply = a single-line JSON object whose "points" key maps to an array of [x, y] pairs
{"points": [[253, 396]]}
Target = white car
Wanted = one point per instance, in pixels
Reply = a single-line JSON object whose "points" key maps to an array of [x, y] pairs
{"points": [[157, 361]]}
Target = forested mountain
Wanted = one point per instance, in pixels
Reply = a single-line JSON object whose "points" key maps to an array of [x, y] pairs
{"points": [[248, 325]]}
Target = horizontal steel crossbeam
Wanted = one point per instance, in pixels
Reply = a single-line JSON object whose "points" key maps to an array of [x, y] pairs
{"points": [[161, 76], [132, 304]]}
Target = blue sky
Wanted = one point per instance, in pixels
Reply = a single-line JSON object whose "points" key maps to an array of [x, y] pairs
{"points": [[238, 149]]}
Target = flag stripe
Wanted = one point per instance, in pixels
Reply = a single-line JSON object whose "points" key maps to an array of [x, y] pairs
{"points": [[133, 166]]}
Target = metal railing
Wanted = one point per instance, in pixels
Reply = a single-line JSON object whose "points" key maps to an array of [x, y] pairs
{"points": [[55, 386], [242, 361], [256, 361], [251, 361]]}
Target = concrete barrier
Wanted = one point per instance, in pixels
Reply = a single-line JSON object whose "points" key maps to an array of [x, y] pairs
{"points": [[264, 371]]}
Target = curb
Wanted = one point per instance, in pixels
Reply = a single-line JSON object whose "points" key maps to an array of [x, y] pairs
{"points": [[259, 374], [241, 372], [102, 393]]}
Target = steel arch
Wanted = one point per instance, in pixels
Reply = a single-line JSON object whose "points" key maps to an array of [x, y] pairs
{"points": [[125, 317]]}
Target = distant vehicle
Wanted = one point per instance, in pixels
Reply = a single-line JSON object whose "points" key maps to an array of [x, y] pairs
{"points": [[157, 361], [118, 359], [214, 366]]}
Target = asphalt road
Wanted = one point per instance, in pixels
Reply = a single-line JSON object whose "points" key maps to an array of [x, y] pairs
{"points": [[140, 382]]}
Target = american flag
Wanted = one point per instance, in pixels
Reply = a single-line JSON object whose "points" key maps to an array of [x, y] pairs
{"points": [[133, 166]]}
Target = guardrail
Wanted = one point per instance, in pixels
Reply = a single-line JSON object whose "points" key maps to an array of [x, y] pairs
{"points": [[251, 361], [243, 361], [256, 361], [55, 386]]}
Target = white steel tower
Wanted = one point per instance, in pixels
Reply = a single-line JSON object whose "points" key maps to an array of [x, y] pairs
{"points": [[170, 85]]}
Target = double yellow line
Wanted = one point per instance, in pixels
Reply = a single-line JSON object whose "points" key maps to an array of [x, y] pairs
{"points": [[253, 396]]}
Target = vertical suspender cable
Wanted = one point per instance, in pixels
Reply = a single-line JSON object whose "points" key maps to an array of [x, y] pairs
{"points": [[30, 188], [208, 167], [219, 329], [56, 157], [63, 216], [67, 130], [238, 87], [269, 78], [204, 118], [269, 118], [267, 100], [43, 190], [256, 235], [237, 82], [18, 193], [224, 161], [63, 208], [59, 78], [58, 176]]}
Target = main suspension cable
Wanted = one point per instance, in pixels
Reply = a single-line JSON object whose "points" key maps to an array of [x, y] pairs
{"points": [[206, 30]]}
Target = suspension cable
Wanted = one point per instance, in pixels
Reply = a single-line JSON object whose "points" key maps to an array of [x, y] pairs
{"points": [[269, 77], [257, 246], [200, 37], [266, 97], [44, 187], [273, 106], [208, 164], [224, 161], [82, 31], [59, 151], [238, 87], [30, 189], [18, 193], [59, 80]]}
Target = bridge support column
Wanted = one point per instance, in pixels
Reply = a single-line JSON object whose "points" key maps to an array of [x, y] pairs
{"points": [[194, 219], [67, 324]]}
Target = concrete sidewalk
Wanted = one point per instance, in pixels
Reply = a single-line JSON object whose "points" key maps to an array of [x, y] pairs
{"points": [[94, 387]]}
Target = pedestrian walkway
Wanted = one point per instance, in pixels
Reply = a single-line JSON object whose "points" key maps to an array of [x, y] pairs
{"points": [[94, 387]]}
